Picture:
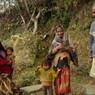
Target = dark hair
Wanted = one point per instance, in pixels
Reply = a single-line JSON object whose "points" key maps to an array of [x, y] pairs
{"points": [[1, 47], [10, 48], [46, 62]]}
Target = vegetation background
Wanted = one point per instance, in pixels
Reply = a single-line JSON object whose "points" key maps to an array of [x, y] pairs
{"points": [[27, 26]]}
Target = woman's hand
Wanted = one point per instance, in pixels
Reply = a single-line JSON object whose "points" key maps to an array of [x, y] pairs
{"points": [[57, 48]]}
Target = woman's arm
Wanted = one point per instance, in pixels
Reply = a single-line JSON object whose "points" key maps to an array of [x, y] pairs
{"points": [[57, 48], [55, 61]]}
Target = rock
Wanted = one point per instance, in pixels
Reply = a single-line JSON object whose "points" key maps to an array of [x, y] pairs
{"points": [[32, 90], [89, 90]]}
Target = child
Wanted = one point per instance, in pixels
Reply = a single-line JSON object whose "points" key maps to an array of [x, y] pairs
{"points": [[46, 75], [10, 58]]}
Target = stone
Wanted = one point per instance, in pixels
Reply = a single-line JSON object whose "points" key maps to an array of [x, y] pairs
{"points": [[89, 90], [32, 89]]}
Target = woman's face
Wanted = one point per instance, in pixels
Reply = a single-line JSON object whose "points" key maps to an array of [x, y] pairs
{"points": [[9, 52], [60, 34]]}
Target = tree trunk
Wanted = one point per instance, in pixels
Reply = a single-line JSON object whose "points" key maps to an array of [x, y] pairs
{"points": [[35, 26]]}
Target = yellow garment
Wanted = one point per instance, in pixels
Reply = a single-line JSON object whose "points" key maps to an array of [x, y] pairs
{"points": [[46, 76]]}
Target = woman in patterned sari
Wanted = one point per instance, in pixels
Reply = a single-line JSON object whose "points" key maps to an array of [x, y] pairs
{"points": [[61, 47]]}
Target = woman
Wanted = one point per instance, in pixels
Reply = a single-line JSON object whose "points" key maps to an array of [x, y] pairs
{"points": [[61, 48], [61, 37]]}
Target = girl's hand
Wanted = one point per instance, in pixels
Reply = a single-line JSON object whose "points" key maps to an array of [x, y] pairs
{"points": [[38, 67]]}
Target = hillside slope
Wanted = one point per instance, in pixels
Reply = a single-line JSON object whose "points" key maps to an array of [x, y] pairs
{"points": [[30, 50]]}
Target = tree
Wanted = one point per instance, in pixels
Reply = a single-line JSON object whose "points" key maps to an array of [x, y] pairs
{"points": [[25, 7]]}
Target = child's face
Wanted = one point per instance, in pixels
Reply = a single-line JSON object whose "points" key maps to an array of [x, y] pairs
{"points": [[46, 66], [9, 52]]}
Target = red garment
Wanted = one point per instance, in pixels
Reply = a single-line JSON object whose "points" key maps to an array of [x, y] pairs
{"points": [[5, 67], [62, 82], [3, 61]]}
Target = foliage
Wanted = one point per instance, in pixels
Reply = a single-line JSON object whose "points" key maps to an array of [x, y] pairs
{"points": [[73, 14]]}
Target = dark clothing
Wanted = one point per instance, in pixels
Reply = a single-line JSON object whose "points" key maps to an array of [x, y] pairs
{"points": [[63, 62], [48, 90], [74, 57], [49, 58]]}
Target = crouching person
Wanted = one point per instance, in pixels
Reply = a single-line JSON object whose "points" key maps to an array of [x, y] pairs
{"points": [[11, 60]]}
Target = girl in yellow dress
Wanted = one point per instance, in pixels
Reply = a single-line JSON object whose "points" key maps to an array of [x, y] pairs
{"points": [[46, 75]]}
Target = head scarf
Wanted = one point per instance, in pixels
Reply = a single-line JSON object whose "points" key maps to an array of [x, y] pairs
{"points": [[59, 28]]}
